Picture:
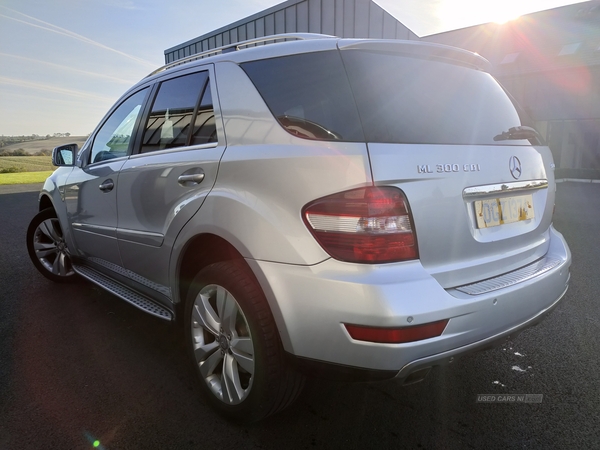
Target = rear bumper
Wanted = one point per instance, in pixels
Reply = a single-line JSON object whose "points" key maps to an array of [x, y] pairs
{"points": [[490, 342], [312, 303]]}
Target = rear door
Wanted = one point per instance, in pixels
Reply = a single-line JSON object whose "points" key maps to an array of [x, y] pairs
{"points": [[480, 186], [165, 183]]}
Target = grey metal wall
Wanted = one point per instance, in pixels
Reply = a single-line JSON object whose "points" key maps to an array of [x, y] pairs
{"points": [[343, 18], [566, 107]]}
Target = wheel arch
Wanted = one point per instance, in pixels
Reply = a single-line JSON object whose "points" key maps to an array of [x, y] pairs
{"points": [[199, 252], [45, 203], [205, 249]]}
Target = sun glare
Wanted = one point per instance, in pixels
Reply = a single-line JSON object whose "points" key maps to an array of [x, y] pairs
{"points": [[503, 18], [462, 13]]}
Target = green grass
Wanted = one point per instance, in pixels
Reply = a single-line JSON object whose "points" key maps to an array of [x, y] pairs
{"points": [[24, 177], [27, 163]]}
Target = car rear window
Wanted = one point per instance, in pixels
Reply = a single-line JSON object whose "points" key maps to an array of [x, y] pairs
{"points": [[406, 99], [358, 95]]}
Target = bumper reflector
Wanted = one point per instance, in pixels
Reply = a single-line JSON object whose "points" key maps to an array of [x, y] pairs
{"points": [[396, 335]]}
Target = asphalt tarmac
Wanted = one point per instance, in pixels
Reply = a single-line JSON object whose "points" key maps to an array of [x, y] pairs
{"points": [[81, 369]]}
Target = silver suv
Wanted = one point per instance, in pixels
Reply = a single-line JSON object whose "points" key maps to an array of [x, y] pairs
{"points": [[357, 209]]}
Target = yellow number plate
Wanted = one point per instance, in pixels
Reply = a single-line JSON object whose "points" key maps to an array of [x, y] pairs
{"points": [[498, 211]]}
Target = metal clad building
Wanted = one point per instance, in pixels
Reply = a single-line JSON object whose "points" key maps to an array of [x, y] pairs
{"points": [[344, 18]]}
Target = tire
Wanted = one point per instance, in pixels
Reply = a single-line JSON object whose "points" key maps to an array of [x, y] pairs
{"points": [[47, 248], [234, 345]]}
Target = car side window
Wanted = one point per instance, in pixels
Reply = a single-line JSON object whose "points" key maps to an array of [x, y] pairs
{"points": [[182, 114], [205, 130], [114, 137], [309, 94]]}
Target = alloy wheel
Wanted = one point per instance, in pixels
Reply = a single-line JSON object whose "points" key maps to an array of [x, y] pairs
{"points": [[222, 344], [51, 249]]}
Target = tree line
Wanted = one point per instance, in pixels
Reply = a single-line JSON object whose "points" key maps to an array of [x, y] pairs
{"points": [[8, 140], [21, 152]]}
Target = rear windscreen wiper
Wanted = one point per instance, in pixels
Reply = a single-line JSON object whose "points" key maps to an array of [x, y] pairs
{"points": [[521, 132]]}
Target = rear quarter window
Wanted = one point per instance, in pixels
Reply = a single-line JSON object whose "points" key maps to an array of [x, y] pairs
{"points": [[309, 95]]}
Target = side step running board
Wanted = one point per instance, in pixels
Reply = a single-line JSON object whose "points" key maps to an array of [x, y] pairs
{"points": [[123, 292]]}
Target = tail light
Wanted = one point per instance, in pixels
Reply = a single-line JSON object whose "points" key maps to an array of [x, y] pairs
{"points": [[367, 225]]}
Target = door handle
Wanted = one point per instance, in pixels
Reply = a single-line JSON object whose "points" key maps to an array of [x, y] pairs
{"points": [[107, 186], [191, 179]]}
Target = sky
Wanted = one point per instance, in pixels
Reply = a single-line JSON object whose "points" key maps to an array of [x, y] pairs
{"points": [[63, 63]]}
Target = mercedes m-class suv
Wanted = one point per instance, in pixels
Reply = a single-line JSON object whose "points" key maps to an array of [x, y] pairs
{"points": [[304, 204]]}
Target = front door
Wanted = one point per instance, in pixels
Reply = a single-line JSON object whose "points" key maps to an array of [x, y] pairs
{"points": [[91, 191]]}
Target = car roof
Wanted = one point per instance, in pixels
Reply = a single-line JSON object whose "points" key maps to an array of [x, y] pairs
{"points": [[294, 43]]}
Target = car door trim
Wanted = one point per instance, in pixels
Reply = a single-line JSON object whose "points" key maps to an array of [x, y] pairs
{"points": [[96, 229], [140, 237]]}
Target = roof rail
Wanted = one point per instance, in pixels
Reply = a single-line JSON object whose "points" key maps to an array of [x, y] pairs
{"points": [[273, 39]]}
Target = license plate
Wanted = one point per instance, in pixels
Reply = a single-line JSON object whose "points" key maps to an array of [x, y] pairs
{"points": [[498, 211]]}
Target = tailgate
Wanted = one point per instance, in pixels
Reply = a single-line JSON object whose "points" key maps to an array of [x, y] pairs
{"points": [[479, 211]]}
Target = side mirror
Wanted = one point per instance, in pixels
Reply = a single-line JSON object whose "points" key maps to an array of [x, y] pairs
{"points": [[64, 155]]}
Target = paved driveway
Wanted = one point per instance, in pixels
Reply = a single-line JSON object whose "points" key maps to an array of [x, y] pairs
{"points": [[78, 365]]}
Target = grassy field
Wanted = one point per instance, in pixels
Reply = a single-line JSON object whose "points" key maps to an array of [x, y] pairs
{"points": [[26, 163], [24, 177], [32, 169]]}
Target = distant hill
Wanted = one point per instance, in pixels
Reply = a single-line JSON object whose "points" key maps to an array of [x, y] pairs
{"points": [[45, 144]]}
